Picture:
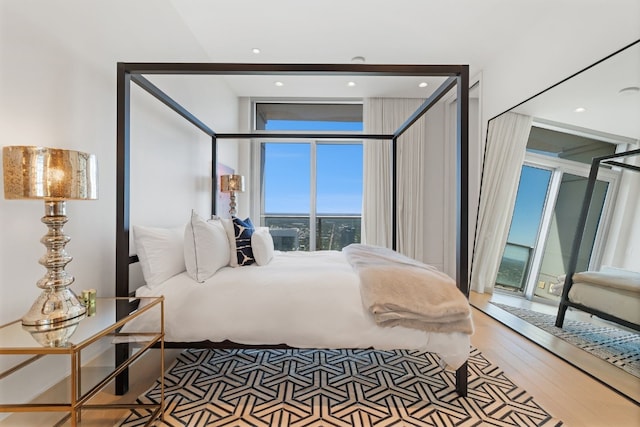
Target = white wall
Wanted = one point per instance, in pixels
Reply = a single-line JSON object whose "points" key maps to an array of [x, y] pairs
{"points": [[174, 155], [58, 89], [622, 248], [476, 146], [631, 260], [551, 52]]}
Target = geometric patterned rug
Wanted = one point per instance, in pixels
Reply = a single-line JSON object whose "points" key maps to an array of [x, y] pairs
{"points": [[207, 387], [617, 346]]}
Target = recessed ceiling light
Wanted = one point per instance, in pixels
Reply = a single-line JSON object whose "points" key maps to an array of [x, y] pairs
{"points": [[580, 110], [631, 90], [358, 60], [279, 84], [423, 84], [255, 50], [351, 84]]}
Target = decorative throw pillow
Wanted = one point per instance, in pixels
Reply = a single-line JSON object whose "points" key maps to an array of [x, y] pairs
{"points": [[161, 252], [262, 246], [206, 247], [231, 237], [242, 231]]}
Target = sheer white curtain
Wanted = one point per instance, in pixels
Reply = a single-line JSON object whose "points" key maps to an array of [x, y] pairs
{"points": [[507, 137], [376, 171], [385, 115]]}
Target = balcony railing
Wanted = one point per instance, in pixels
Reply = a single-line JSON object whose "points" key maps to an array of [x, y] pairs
{"points": [[291, 232], [514, 266]]}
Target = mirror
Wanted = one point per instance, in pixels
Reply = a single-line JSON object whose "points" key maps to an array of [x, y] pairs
{"points": [[556, 134]]}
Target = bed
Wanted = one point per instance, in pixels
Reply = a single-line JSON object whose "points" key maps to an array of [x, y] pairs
{"points": [[610, 293], [300, 299], [341, 318]]}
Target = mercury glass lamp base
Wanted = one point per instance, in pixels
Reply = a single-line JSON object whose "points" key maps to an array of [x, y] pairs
{"points": [[54, 317]]}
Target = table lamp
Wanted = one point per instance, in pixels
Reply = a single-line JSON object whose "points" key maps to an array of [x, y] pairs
{"points": [[232, 184], [53, 175]]}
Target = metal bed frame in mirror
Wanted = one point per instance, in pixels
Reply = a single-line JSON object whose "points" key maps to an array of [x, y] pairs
{"points": [[565, 302]]}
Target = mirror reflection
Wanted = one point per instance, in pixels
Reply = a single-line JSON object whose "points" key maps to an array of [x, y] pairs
{"points": [[535, 178]]}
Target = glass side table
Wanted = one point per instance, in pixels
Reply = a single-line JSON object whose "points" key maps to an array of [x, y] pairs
{"points": [[96, 331]]}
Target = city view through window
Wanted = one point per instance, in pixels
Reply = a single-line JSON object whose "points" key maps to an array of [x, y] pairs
{"points": [[312, 190]]}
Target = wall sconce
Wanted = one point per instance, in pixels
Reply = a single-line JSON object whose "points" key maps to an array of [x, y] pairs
{"points": [[232, 184], [55, 176]]}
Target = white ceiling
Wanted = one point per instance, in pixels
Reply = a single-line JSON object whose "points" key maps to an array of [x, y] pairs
{"points": [[597, 90], [404, 31], [481, 33], [381, 31], [334, 87]]}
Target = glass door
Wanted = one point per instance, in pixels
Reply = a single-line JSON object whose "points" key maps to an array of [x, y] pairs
{"points": [[544, 224], [338, 194], [525, 225], [562, 230], [312, 194]]}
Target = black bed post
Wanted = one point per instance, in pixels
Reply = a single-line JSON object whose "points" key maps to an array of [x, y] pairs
{"points": [[132, 72], [122, 215], [462, 211], [394, 193], [214, 175]]}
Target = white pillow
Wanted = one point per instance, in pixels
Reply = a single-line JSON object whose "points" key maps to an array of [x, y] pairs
{"points": [[262, 245], [161, 252], [231, 236], [206, 247]]}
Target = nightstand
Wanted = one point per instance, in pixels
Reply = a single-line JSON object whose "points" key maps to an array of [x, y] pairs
{"points": [[93, 335]]}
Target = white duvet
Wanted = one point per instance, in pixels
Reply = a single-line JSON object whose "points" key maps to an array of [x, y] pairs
{"points": [[612, 290], [301, 299]]}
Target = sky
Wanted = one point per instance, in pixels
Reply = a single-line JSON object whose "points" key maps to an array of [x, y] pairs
{"points": [[338, 169], [527, 211]]}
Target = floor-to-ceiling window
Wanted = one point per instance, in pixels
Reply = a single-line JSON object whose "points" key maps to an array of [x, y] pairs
{"points": [[550, 194], [311, 189], [525, 227]]}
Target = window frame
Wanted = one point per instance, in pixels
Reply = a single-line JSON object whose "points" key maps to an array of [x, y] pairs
{"points": [[558, 167], [256, 148], [303, 102]]}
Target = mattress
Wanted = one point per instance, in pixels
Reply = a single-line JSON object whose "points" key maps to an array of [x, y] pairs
{"points": [[301, 299], [620, 303]]}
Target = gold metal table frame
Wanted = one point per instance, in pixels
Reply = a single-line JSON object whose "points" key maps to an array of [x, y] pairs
{"points": [[14, 340]]}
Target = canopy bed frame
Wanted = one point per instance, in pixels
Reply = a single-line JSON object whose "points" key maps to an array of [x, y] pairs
{"points": [[629, 292], [456, 76]]}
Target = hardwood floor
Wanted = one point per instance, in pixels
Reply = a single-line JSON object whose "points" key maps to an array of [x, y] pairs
{"points": [[564, 391], [600, 369]]}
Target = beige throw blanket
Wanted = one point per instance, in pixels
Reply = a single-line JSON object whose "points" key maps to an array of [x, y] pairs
{"points": [[401, 291]]}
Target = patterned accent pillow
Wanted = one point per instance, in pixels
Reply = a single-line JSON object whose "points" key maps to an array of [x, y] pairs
{"points": [[243, 229]]}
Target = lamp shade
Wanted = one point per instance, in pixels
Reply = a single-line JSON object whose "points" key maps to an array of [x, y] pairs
{"points": [[229, 183], [48, 173]]}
